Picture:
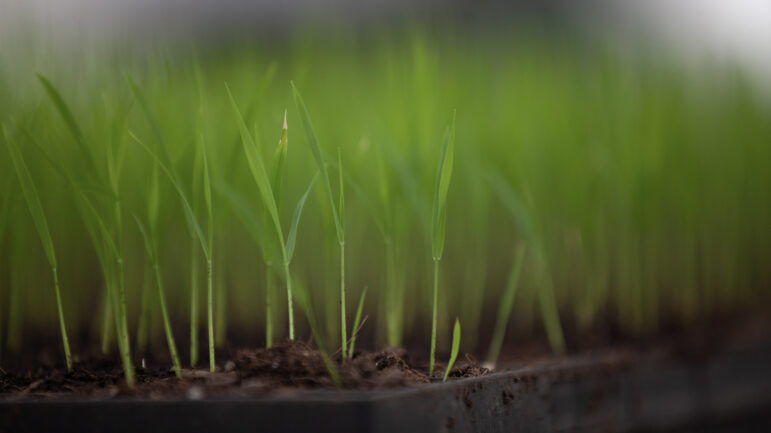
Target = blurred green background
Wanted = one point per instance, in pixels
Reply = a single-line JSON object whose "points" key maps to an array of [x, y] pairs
{"points": [[639, 183]]}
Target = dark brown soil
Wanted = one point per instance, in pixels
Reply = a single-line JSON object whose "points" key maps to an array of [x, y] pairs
{"points": [[248, 372], [293, 365]]}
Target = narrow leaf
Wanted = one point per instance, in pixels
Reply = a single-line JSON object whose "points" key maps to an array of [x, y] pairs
{"points": [[189, 214], [443, 176], [31, 197], [504, 307], [69, 120], [455, 348], [149, 245], [341, 210], [257, 168], [316, 150], [357, 320], [292, 236]]}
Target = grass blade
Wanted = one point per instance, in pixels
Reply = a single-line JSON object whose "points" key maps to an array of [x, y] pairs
{"points": [[356, 321], [189, 214], [455, 348], [504, 307], [292, 236], [69, 120], [317, 155], [260, 176], [41, 224], [153, 255], [443, 176], [304, 301], [438, 220]]}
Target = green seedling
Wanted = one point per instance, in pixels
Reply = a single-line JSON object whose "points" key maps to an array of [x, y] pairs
{"points": [[455, 348], [504, 307], [151, 247], [337, 211], [303, 300], [260, 175], [357, 321], [438, 223], [41, 224]]}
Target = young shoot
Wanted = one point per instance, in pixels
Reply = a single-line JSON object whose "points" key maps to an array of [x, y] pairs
{"points": [[41, 224], [303, 300], [520, 218], [504, 307], [438, 220], [356, 322], [151, 247], [277, 169], [168, 168], [260, 175], [454, 351]]}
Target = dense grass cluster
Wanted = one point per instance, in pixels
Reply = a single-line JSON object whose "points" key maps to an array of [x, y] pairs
{"points": [[589, 188]]}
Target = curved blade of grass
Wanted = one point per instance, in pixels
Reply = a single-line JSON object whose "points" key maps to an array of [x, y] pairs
{"points": [[257, 167], [152, 121], [357, 320], [41, 224], [292, 236], [189, 214], [249, 219], [69, 120], [504, 307], [317, 155], [455, 348]]}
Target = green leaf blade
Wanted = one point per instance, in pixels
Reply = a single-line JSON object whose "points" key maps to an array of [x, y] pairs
{"points": [[443, 177], [292, 236], [257, 168], [317, 155], [455, 349], [31, 197]]}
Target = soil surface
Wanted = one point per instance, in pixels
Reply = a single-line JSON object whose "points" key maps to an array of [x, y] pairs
{"points": [[292, 365], [247, 372]]}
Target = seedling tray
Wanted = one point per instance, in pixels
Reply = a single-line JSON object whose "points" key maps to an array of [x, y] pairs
{"points": [[726, 391]]}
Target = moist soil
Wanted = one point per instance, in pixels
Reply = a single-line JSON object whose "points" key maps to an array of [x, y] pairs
{"points": [[246, 372], [292, 365]]}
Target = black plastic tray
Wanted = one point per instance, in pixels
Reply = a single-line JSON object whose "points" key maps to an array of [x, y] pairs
{"points": [[728, 391]]}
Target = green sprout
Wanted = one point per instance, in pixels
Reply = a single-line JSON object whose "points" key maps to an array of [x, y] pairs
{"points": [[41, 224], [338, 212], [454, 350], [438, 223]]}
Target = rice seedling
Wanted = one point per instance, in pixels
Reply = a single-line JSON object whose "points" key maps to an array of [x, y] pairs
{"points": [[101, 237], [41, 224], [257, 169], [438, 224], [546, 299], [277, 169], [453, 350], [357, 322], [303, 299], [190, 217], [504, 307], [338, 212], [151, 246]]}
